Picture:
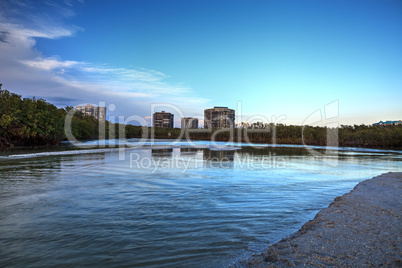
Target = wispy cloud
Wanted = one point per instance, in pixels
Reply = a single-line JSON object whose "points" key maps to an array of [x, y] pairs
{"points": [[49, 64], [31, 72], [118, 81]]}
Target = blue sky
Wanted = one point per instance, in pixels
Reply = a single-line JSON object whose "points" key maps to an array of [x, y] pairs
{"points": [[282, 59]]}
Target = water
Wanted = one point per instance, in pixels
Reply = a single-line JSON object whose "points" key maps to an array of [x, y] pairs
{"points": [[170, 207]]}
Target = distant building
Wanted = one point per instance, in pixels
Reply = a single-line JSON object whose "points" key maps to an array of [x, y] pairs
{"points": [[163, 120], [219, 117], [388, 123], [189, 122], [95, 111]]}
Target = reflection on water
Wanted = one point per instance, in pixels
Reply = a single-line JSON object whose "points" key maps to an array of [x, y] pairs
{"points": [[162, 152], [226, 156], [182, 207], [189, 151]]}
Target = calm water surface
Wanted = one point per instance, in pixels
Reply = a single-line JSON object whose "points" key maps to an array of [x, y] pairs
{"points": [[181, 207]]}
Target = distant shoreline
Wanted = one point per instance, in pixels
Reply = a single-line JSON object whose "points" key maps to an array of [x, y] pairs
{"points": [[42, 123], [36, 146], [360, 228]]}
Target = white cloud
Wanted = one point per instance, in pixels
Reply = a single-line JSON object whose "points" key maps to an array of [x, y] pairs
{"points": [[29, 72], [49, 64]]}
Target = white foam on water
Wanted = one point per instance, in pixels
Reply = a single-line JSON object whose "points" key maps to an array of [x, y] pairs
{"points": [[108, 150]]}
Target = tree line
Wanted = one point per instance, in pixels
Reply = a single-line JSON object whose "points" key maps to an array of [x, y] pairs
{"points": [[351, 136], [31, 122]]}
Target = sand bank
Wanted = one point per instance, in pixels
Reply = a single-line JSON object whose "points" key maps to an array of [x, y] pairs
{"points": [[359, 229]]}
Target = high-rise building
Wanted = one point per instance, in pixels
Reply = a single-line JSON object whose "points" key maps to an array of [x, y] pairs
{"points": [[163, 120], [219, 117], [95, 111], [189, 122]]}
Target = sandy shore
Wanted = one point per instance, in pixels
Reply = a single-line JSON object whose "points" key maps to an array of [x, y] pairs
{"points": [[359, 229]]}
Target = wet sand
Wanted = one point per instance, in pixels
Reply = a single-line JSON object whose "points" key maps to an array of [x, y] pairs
{"points": [[359, 229]]}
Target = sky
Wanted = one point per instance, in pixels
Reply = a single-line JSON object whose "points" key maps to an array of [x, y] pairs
{"points": [[284, 61]]}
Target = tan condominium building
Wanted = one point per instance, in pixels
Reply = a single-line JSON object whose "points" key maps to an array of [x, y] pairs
{"points": [[219, 117], [163, 120], [189, 122], [95, 111]]}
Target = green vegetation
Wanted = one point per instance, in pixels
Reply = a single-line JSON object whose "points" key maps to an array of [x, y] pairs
{"points": [[29, 122], [26, 122], [353, 136]]}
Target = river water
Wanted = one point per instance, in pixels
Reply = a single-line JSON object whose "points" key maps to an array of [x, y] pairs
{"points": [[170, 206]]}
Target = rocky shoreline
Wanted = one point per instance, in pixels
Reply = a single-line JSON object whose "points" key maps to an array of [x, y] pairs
{"points": [[359, 229]]}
